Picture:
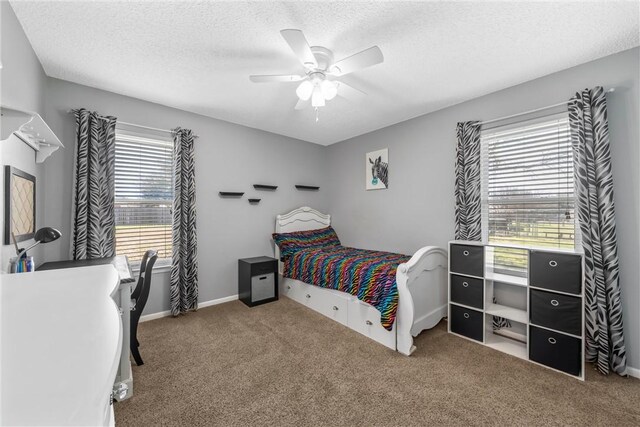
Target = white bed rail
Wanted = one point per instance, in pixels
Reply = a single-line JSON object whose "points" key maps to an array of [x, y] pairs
{"points": [[422, 295]]}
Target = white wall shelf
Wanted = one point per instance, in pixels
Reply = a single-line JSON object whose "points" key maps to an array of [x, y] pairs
{"points": [[31, 129]]}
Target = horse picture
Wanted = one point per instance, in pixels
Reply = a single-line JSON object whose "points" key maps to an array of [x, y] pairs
{"points": [[377, 170]]}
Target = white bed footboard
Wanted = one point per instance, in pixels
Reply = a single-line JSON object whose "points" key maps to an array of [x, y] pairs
{"points": [[422, 293]]}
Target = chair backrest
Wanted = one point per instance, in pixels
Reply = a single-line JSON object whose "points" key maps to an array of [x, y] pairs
{"points": [[141, 292], [143, 265]]}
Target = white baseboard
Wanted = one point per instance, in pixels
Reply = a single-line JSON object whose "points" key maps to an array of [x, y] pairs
{"points": [[154, 316], [633, 372], [203, 304], [217, 301]]}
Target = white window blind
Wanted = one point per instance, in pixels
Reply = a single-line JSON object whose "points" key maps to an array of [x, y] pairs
{"points": [[143, 194], [527, 185]]}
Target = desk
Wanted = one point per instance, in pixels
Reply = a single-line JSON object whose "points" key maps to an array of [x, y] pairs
{"points": [[123, 299], [120, 262], [60, 347]]}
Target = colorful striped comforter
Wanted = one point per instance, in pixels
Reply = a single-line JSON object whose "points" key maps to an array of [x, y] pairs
{"points": [[368, 275]]}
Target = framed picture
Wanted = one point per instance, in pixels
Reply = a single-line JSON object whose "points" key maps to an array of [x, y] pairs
{"points": [[19, 205], [377, 170]]}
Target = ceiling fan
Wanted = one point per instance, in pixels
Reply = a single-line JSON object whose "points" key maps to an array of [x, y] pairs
{"points": [[319, 82]]}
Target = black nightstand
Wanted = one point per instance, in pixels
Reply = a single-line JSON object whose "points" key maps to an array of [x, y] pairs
{"points": [[257, 280]]}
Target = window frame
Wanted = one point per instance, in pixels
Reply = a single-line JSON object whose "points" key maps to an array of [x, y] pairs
{"points": [[126, 132], [486, 134]]}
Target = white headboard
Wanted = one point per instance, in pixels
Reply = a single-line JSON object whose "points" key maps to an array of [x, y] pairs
{"points": [[301, 219]]}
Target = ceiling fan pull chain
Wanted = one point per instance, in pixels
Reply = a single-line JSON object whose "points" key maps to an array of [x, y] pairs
{"points": [[316, 114]]}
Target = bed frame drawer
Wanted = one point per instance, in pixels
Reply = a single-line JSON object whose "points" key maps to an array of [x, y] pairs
{"points": [[327, 302], [330, 304], [341, 307], [292, 289], [365, 319]]}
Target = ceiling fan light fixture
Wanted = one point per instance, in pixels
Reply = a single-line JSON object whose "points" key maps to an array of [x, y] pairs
{"points": [[318, 64], [329, 89], [304, 90], [317, 98]]}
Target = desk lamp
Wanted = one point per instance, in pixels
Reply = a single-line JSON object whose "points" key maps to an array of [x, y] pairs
{"points": [[43, 235]]}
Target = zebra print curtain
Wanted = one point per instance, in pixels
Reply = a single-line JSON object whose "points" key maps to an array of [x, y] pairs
{"points": [[468, 193], [184, 266], [467, 185], [596, 214], [94, 211]]}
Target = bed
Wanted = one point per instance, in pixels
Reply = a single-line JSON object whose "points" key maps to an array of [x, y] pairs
{"points": [[420, 283]]}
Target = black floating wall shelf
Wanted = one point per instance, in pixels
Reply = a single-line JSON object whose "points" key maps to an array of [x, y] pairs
{"points": [[230, 194], [264, 187], [307, 187], [254, 201]]}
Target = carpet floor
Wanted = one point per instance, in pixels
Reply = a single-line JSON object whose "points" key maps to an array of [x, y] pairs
{"points": [[282, 364]]}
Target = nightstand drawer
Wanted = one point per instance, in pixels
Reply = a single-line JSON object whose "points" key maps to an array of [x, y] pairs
{"points": [[262, 287], [467, 259], [467, 291], [555, 271], [555, 350], [263, 267], [556, 311], [466, 322]]}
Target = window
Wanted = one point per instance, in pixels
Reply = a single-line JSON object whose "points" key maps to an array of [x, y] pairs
{"points": [[143, 193], [527, 186]]}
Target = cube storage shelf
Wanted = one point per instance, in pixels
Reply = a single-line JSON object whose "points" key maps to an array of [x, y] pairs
{"points": [[544, 307]]}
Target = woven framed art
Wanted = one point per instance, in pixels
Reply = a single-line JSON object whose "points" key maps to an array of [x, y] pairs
{"points": [[19, 205]]}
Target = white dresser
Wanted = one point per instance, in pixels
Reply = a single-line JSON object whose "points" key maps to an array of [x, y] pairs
{"points": [[60, 344]]}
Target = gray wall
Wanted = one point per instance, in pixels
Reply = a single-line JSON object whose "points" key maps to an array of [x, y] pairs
{"points": [[22, 82], [416, 210], [418, 207], [228, 157]]}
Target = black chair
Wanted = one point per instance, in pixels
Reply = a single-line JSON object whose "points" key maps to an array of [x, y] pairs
{"points": [[139, 296]]}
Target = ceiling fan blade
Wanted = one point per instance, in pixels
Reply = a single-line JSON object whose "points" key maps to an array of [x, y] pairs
{"points": [[300, 47], [358, 61], [301, 105], [350, 93], [276, 78]]}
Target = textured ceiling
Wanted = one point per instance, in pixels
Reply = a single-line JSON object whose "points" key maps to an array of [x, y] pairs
{"points": [[197, 56]]}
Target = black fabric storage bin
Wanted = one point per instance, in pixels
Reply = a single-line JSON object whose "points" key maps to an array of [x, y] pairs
{"points": [[556, 311], [466, 322], [467, 291], [555, 271], [467, 259], [555, 350]]}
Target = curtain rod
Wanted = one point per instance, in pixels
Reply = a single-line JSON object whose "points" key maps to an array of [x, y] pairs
{"points": [[532, 111], [141, 126], [150, 128]]}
